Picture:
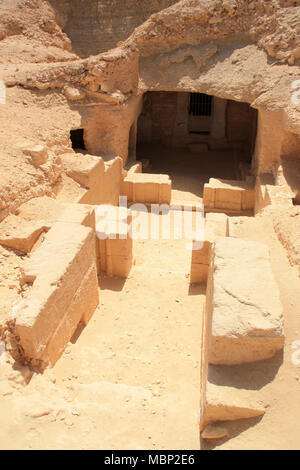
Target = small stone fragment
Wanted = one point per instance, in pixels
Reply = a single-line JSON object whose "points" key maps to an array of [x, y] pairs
{"points": [[214, 432]]}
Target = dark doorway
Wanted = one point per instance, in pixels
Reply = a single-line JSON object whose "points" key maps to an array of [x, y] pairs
{"points": [[77, 139]]}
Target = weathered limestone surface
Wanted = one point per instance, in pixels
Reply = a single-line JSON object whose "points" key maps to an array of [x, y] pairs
{"points": [[262, 194], [213, 431], [92, 32], [236, 196], [64, 292], [287, 228], [268, 194], [133, 166], [219, 403], [42, 208], [216, 225], [114, 245], [147, 188], [243, 302]]}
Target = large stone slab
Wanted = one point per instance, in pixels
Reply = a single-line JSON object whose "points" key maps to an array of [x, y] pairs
{"points": [[222, 403], [243, 303]]}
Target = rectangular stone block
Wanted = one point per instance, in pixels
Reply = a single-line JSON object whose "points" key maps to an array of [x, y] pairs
{"points": [[243, 302], [147, 188], [199, 148], [115, 247], [216, 225], [56, 270], [100, 177], [230, 199]]}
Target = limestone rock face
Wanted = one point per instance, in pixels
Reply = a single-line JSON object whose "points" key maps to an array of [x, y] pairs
{"points": [[243, 300]]}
